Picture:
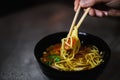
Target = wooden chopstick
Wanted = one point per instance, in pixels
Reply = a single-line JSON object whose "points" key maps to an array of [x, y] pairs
{"points": [[79, 22], [74, 20], [82, 18]]}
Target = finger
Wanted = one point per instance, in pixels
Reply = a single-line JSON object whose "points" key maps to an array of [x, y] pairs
{"points": [[114, 4], [92, 12], [76, 4], [114, 13], [99, 13], [89, 3]]}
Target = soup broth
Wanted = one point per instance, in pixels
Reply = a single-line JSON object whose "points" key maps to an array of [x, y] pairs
{"points": [[87, 57]]}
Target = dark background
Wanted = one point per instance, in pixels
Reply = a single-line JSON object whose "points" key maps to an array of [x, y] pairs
{"points": [[10, 6], [24, 22]]}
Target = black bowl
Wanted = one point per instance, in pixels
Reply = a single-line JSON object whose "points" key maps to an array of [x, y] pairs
{"points": [[85, 38]]}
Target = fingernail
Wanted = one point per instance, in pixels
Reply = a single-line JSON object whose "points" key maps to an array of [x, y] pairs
{"points": [[106, 13]]}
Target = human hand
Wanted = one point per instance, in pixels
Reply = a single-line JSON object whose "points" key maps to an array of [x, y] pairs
{"points": [[112, 6]]}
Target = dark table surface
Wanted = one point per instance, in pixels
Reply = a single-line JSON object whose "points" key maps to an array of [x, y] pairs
{"points": [[21, 30]]}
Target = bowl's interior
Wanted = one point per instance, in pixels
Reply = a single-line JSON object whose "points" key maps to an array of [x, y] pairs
{"points": [[85, 38]]}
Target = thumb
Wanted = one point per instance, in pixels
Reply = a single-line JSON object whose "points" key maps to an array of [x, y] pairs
{"points": [[89, 3]]}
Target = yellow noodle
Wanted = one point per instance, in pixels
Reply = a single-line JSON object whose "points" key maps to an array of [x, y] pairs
{"points": [[89, 59]]}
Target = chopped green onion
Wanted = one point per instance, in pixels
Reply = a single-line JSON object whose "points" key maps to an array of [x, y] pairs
{"points": [[49, 63], [57, 59], [54, 58]]}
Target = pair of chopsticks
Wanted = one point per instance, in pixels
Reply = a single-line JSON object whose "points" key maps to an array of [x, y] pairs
{"points": [[80, 21]]}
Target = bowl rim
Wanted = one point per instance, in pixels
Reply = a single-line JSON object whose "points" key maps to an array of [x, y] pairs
{"points": [[65, 32]]}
